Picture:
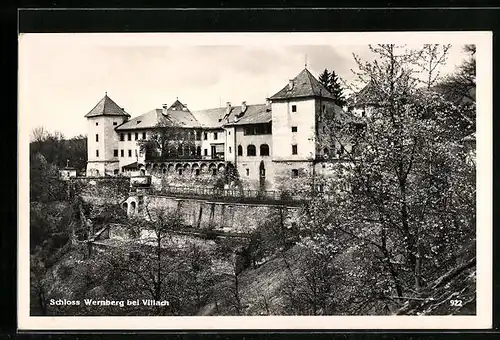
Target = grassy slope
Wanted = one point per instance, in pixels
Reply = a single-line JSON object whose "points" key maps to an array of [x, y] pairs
{"points": [[261, 294]]}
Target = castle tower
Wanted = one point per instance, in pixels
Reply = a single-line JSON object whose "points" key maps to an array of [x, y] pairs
{"points": [[297, 112], [102, 139]]}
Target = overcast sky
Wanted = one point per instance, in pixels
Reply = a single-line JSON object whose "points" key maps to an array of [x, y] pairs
{"points": [[63, 76]]}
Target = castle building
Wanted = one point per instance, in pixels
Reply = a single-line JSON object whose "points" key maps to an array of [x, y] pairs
{"points": [[270, 145]]}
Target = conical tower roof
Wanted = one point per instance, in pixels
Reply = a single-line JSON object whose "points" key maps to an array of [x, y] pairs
{"points": [[304, 85], [106, 107]]}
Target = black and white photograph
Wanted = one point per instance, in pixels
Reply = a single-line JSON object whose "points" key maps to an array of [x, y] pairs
{"points": [[284, 180]]}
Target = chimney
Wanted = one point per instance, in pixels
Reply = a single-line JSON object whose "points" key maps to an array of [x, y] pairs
{"points": [[243, 107], [164, 108], [228, 108], [290, 85]]}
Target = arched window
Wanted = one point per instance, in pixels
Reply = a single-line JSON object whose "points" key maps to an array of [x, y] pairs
{"points": [[240, 150], [264, 150], [251, 151]]}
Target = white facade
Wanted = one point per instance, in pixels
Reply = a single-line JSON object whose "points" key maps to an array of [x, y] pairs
{"points": [[102, 141], [285, 143]]}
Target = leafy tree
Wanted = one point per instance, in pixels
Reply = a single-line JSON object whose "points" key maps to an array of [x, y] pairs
{"points": [[45, 185], [405, 205], [57, 150], [312, 287], [169, 141], [38, 287], [460, 86], [157, 267]]}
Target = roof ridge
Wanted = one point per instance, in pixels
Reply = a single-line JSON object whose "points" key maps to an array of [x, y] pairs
{"points": [[304, 84], [311, 81], [107, 106]]}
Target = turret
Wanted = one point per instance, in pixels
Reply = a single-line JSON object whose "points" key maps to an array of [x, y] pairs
{"points": [[102, 139]]}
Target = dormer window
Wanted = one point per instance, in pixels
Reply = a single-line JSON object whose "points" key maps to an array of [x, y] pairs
{"points": [[138, 122]]}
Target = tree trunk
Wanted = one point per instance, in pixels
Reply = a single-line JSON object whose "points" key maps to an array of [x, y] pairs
{"points": [[418, 267]]}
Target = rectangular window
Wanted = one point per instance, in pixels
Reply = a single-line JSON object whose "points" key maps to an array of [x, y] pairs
{"points": [[115, 153], [115, 123], [144, 135], [205, 152], [136, 136], [215, 135], [294, 149], [96, 137], [259, 129], [135, 152], [129, 136], [122, 153], [130, 153], [122, 137], [96, 124], [295, 173], [205, 135], [248, 172], [97, 153], [294, 108], [229, 149], [294, 129]]}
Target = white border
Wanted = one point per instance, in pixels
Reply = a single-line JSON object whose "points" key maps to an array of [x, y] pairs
{"points": [[482, 320]]}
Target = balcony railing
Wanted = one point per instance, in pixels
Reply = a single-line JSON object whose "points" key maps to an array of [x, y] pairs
{"points": [[233, 194]]}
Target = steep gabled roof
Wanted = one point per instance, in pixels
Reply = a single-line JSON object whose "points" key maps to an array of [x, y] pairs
{"points": [[176, 115], [209, 118], [147, 120], [106, 107], [180, 115], [364, 97], [217, 117], [304, 85], [254, 114]]}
